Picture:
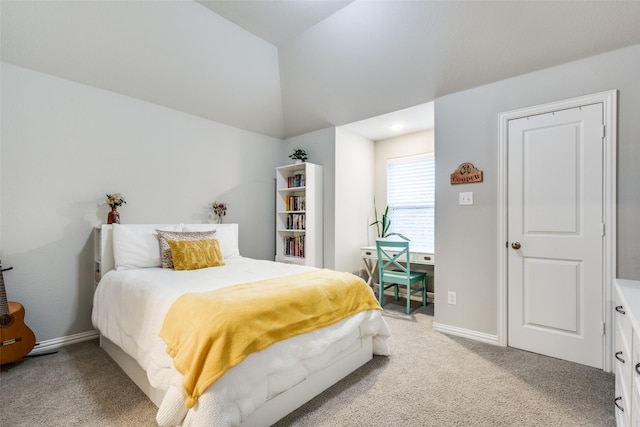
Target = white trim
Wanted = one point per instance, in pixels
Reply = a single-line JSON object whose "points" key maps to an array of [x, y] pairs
{"points": [[609, 99], [465, 333], [48, 346]]}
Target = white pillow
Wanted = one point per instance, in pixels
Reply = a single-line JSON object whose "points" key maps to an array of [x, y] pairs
{"points": [[226, 235], [136, 246]]}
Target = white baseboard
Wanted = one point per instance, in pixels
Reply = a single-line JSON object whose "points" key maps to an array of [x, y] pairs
{"points": [[466, 333], [47, 346], [52, 345]]}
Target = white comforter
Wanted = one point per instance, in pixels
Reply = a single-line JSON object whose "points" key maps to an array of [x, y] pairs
{"points": [[129, 308]]}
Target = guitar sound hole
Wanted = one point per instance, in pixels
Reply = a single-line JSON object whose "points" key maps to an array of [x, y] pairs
{"points": [[5, 320]]}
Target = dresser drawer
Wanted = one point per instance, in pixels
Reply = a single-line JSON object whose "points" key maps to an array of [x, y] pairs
{"points": [[627, 349], [623, 365], [635, 380], [623, 320], [623, 405], [623, 358]]}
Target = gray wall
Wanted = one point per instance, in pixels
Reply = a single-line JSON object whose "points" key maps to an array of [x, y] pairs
{"points": [[466, 129], [64, 145]]}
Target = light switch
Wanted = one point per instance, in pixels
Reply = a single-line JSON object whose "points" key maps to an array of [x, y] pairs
{"points": [[465, 198]]}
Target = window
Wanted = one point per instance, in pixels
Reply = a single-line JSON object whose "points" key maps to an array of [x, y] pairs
{"points": [[411, 199]]}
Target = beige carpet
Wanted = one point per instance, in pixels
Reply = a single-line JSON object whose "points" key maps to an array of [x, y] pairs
{"points": [[430, 379]]}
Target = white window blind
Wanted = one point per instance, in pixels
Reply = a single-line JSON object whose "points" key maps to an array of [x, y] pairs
{"points": [[411, 199]]}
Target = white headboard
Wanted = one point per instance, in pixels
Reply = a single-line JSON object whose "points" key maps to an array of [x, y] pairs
{"points": [[103, 244]]}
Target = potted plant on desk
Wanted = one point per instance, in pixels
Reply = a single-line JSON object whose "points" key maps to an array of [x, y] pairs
{"points": [[383, 224]]}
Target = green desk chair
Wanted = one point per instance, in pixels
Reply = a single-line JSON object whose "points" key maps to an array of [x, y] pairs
{"points": [[401, 274]]}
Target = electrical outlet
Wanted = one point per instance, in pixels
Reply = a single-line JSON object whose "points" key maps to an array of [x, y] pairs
{"points": [[465, 198], [451, 298]]}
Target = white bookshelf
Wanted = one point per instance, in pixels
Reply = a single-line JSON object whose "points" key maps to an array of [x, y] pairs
{"points": [[299, 214]]}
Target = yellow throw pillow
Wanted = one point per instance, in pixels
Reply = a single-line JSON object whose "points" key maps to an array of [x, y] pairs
{"points": [[195, 254], [165, 251]]}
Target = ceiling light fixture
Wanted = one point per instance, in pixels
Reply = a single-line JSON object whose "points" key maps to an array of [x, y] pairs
{"points": [[396, 126]]}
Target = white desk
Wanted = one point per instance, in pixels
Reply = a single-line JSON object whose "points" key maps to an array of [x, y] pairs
{"points": [[370, 259]]}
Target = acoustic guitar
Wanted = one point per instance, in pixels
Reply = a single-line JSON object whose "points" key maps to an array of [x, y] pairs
{"points": [[16, 339]]}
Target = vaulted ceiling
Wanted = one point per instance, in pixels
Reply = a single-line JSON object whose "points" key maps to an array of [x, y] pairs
{"points": [[283, 68], [276, 21]]}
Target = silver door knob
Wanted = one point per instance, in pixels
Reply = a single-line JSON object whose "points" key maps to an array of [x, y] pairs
{"points": [[515, 245]]}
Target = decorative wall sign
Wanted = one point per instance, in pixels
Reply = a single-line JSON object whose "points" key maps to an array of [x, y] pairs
{"points": [[466, 174]]}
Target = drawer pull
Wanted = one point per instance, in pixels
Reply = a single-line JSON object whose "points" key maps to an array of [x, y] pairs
{"points": [[617, 355], [615, 402], [368, 253], [427, 258], [638, 368], [620, 310]]}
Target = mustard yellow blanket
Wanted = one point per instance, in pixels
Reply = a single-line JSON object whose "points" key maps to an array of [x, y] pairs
{"points": [[209, 333]]}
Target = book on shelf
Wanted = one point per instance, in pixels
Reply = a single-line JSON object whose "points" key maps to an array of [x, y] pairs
{"points": [[296, 180], [294, 246], [295, 222], [294, 203]]}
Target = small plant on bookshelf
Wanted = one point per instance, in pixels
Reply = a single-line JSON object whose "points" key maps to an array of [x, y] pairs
{"points": [[299, 155]]}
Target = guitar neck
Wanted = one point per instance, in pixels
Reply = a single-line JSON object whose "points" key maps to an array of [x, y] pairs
{"points": [[4, 303]]}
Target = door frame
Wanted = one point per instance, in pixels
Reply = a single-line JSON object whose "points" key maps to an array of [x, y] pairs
{"points": [[609, 100]]}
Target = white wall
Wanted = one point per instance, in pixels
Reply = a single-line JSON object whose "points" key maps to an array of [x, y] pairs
{"points": [[353, 198], [467, 130], [173, 53], [64, 145], [373, 57]]}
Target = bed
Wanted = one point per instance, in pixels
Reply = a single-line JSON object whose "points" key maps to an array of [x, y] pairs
{"points": [[135, 294]]}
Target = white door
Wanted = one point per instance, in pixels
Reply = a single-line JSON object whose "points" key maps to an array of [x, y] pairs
{"points": [[555, 234]]}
